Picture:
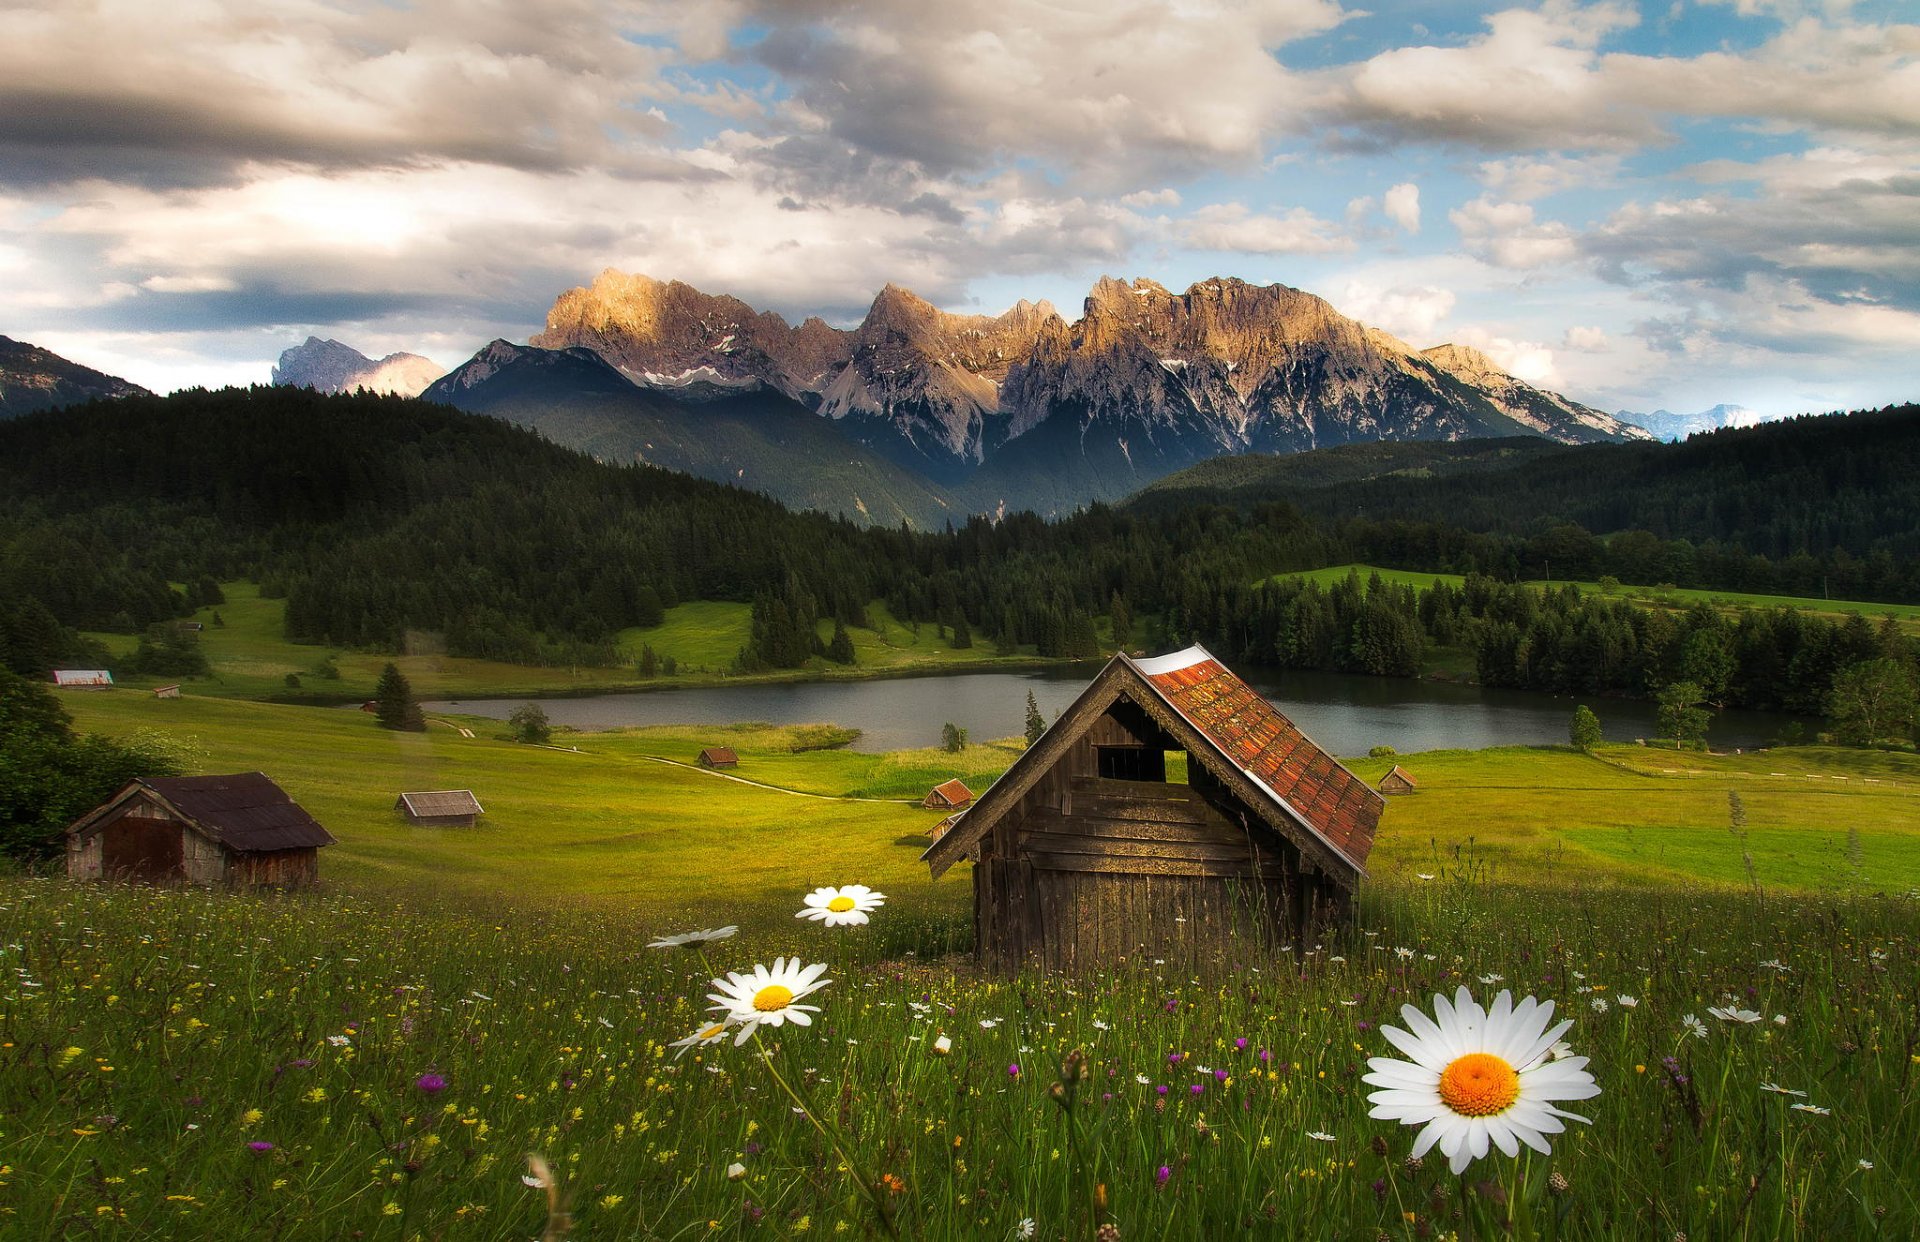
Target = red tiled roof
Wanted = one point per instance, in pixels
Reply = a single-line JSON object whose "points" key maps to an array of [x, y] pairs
{"points": [[954, 791], [1267, 746]]}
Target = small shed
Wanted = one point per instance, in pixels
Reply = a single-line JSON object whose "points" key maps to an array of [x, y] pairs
{"points": [[719, 757], [83, 678], [166, 692], [239, 830], [945, 826], [1085, 855], [190, 627], [1398, 781], [440, 808], [948, 796]]}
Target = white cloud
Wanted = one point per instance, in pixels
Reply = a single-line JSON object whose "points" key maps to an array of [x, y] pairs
{"points": [[1142, 199], [1507, 235], [1586, 339], [1410, 312], [1525, 178], [1232, 227], [1402, 206], [1526, 360]]}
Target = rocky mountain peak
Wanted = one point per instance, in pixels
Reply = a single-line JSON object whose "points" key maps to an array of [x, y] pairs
{"points": [[329, 366], [32, 378]]}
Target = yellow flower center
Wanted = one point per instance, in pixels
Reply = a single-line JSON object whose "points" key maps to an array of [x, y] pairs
{"points": [[1479, 1085], [717, 1029], [774, 996], [840, 905]]}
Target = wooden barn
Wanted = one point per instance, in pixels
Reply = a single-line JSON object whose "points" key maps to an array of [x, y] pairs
{"points": [[1398, 781], [719, 757], [166, 692], [440, 808], [83, 678], [238, 830], [950, 795], [1085, 855]]}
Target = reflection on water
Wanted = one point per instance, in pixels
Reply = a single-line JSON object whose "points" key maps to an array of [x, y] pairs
{"points": [[1343, 713]]}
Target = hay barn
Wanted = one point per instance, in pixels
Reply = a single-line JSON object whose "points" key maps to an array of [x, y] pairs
{"points": [[719, 757], [1397, 781], [440, 808], [237, 830], [166, 692], [83, 678], [1085, 855], [950, 795]]}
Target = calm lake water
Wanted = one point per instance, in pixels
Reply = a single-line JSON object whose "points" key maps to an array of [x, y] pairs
{"points": [[1345, 714]]}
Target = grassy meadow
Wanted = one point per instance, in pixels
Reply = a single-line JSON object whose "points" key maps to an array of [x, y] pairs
{"points": [[377, 1058]]}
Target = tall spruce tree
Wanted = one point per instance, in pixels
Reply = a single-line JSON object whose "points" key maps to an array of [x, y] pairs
{"points": [[394, 705], [1035, 724]]}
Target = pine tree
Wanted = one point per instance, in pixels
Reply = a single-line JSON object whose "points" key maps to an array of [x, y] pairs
{"points": [[962, 636], [1122, 618], [840, 649], [1035, 725], [394, 704]]}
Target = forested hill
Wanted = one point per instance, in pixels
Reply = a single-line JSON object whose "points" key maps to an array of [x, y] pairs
{"points": [[1801, 486]]}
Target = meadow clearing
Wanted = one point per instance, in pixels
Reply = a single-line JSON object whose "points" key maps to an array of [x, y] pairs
{"points": [[378, 1058]]}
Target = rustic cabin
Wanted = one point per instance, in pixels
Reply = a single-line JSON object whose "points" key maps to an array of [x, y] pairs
{"points": [[719, 757], [1086, 855], [166, 692], [83, 678], [1397, 781], [948, 796], [440, 808], [237, 830], [942, 828]]}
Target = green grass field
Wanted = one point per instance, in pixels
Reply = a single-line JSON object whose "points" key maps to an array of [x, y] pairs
{"points": [[1907, 614], [251, 657], [377, 1058]]}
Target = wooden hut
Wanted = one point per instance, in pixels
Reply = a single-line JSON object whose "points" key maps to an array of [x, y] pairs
{"points": [[440, 808], [1398, 781], [948, 796], [1084, 854], [240, 830], [166, 692], [719, 757], [83, 678], [942, 828]]}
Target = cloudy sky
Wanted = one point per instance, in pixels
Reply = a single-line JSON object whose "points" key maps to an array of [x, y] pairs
{"points": [[1662, 204]]}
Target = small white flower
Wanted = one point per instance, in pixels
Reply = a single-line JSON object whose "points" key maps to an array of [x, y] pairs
{"points": [[692, 939], [1599, 1004], [736, 1171], [339, 1041], [1143, 1080], [767, 997], [1098, 1025], [1734, 1014], [1322, 1136], [841, 907], [1775, 964], [1490, 980], [1693, 1026], [1815, 1109], [1026, 1227], [1777, 1089], [530, 1180], [1421, 875], [711, 1033], [987, 1024], [1779, 1019], [1404, 954], [1336, 958], [1628, 1002], [942, 1046], [1866, 1166]]}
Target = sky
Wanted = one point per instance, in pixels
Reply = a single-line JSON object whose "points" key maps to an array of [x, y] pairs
{"points": [[1667, 204]]}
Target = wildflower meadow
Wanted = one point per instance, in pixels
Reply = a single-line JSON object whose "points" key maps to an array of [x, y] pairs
{"points": [[191, 1064]]}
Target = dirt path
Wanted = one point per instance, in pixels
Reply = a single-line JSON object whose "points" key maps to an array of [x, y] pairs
{"points": [[798, 793]]}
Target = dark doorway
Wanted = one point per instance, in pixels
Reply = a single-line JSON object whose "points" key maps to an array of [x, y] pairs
{"points": [[1132, 763], [135, 848]]}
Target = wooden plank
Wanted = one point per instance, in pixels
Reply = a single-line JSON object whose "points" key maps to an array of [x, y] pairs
{"points": [[1107, 865], [1145, 791], [1221, 833], [1118, 847]]}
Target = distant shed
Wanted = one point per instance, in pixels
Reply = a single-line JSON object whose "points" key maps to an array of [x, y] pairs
{"points": [[719, 757], [440, 808], [83, 678], [948, 796], [1085, 855], [1398, 781], [166, 692], [241, 830]]}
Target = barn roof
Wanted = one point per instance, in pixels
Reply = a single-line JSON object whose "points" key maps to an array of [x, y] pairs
{"points": [[82, 677], [719, 754], [1402, 773], [438, 803], [1230, 730], [245, 812], [954, 791]]}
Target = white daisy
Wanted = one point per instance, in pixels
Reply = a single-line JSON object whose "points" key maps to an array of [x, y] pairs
{"points": [[1490, 980], [1422, 875], [841, 907], [1478, 1077], [692, 939], [1693, 1026], [1732, 1014], [1815, 1109], [767, 997], [1322, 1136], [1628, 1002], [1026, 1228], [711, 1033], [942, 1046], [1777, 1089]]}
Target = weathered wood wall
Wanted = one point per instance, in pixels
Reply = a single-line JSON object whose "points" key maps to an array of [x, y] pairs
{"points": [[277, 869]]}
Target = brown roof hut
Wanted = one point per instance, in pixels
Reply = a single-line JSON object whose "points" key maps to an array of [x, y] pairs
{"points": [[83, 678], [239, 830], [166, 692], [719, 757], [948, 796], [440, 808], [1398, 781], [1085, 855]]}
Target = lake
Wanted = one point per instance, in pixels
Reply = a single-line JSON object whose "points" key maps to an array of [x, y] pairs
{"points": [[1343, 713]]}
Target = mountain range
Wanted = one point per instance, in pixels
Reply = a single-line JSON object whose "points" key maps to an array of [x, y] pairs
{"points": [[32, 378], [1666, 425], [329, 366], [944, 414]]}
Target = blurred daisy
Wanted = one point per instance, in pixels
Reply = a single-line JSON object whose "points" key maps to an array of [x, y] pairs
{"points": [[1777, 1089], [1478, 1077], [840, 907], [1693, 1026], [712, 1033], [1732, 1014], [1628, 1002], [942, 1046], [1026, 1228], [1323, 1136], [692, 939], [1815, 1109], [767, 997]]}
